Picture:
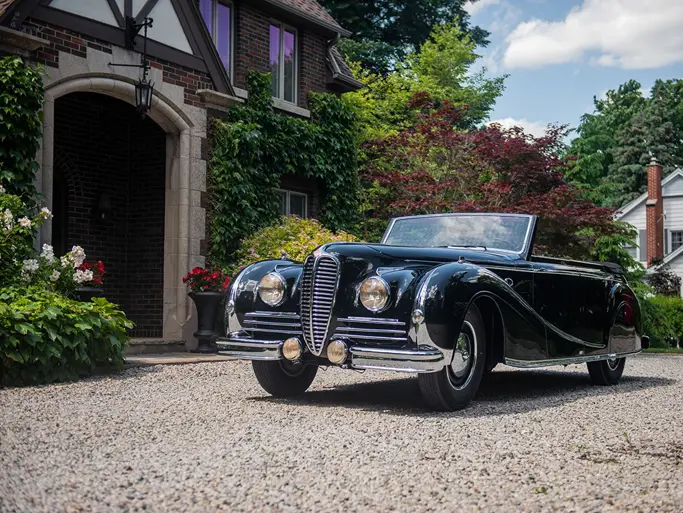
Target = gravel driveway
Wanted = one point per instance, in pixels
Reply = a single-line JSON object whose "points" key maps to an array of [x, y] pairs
{"points": [[206, 438]]}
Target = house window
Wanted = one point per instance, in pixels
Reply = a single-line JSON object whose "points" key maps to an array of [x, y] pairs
{"points": [[676, 240], [218, 16], [633, 251], [293, 203], [283, 61]]}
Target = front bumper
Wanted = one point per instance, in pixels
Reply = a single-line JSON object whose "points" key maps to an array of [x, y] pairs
{"points": [[418, 359]]}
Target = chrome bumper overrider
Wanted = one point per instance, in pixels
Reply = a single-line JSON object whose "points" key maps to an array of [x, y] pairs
{"points": [[420, 359]]}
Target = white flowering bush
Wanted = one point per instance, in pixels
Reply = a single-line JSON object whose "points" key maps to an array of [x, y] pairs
{"points": [[17, 229], [21, 265]]}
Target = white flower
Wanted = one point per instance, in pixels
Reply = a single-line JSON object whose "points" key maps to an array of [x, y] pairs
{"points": [[48, 253], [66, 260], [30, 265], [45, 213], [25, 222], [55, 275], [2, 190], [83, 276], [78, 256], [7, 219]]}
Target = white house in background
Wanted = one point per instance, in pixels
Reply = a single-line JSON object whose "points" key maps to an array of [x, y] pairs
{"points": [[658, 217]]}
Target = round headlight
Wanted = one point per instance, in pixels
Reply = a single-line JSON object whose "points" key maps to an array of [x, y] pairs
{"points": [[271, 289], [374, 293]]}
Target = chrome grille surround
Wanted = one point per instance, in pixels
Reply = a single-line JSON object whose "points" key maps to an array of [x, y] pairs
{"points": [[319, 282], [284, 324], [369, 329]]}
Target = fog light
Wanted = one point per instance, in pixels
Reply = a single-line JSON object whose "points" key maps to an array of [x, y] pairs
{"points": [[292, 349], [337, 352], [418, 317]]}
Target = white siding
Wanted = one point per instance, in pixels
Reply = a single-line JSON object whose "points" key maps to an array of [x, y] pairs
{"points": [[676, 266], [167, 28], [673, 214]]}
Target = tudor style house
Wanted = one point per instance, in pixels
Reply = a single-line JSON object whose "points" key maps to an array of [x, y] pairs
{"points": [[132, 190], [658, 217]]}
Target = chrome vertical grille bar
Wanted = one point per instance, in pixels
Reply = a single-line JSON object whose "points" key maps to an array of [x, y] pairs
{"points": [[319, 282]]}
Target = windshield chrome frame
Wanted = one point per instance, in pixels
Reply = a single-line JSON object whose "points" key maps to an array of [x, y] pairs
{"points": [[527, 237]]}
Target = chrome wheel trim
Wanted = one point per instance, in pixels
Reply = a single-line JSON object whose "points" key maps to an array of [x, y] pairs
{"points": [[464, 361], [613, 364]]}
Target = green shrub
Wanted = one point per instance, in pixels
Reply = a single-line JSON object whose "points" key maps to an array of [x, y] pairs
{"points": [[47, 337], [296, 237], [21, 124], [663, 319]]}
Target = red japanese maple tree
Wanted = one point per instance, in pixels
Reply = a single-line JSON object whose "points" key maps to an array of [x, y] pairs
{"points": [[433, 167]]}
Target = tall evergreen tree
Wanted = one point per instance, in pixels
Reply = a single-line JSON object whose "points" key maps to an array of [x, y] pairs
{"points": [[385, 31], [650, 133]]}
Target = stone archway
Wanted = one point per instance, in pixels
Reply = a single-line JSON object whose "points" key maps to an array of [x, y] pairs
{"points": [[177, 310]]}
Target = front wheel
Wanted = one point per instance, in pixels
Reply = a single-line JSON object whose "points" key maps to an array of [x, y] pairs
{"points": [[283, 378], [606, 372], [453, 387]]}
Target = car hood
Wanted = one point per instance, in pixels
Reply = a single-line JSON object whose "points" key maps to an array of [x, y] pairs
{"points": [[400, 255]]}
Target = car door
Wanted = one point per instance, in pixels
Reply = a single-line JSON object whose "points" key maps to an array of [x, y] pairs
{"points": [[573, 300]]}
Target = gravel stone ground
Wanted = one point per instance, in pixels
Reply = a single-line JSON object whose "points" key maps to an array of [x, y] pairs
{"points": [[207, 438]]}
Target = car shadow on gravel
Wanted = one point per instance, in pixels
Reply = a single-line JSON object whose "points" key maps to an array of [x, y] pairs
{"points": [[501, 393]]}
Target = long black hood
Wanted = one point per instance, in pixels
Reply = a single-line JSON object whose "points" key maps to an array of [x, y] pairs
{"points": [[384, 255]]}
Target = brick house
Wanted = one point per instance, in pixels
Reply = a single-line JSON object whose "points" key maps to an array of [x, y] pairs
{"points": [[132, 190]]}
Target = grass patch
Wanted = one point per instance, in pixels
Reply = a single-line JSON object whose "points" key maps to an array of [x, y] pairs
{"points": [[670, 350]]}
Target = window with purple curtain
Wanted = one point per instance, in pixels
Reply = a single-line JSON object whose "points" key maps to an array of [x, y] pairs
{"points": [[283, 62], [218, 17]]}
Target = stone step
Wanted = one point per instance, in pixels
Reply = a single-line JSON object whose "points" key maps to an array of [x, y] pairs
{"points": [[154, 346]]}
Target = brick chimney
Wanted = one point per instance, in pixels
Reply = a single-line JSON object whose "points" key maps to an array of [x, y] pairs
{"points": [[654, 211]]}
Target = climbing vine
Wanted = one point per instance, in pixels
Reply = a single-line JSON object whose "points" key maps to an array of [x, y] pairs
{"points": [[253, 146], [21, 123]]}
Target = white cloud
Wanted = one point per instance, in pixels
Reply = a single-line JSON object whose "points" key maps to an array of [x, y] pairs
{"points": [[629, 34], [474, 7], [535, 128]]}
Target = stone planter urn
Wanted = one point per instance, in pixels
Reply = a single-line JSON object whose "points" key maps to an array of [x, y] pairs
{"points": [[208, 308], [85, 294]]}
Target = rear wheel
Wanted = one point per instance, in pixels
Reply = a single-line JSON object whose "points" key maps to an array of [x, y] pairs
{"points": [[283, 378], [606, 372], [453, 387]]}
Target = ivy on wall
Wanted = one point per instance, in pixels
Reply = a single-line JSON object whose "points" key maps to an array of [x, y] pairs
{"points": [[253, 146], [21, 123]]}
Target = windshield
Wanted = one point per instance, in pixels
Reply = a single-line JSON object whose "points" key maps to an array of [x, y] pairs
{"points": [[482, 231]]}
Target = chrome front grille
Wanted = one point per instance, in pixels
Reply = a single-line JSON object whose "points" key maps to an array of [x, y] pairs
{"points": [[319, 281], [369, 329], [280, 324]]}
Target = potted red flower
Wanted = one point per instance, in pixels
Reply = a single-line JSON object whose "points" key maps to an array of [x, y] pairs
{"points": [[90, 279], [207, 289]]}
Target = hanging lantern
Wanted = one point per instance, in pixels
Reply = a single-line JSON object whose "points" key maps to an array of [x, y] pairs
{"points": [[144, 91]]}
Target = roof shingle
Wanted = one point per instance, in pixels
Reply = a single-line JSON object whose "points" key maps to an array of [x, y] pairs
{"points": [[310, 7]]}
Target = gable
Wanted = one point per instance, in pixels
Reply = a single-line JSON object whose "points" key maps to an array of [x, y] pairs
{"points": [[166, 29], [672, 177], [675, 186], [178, 35]]}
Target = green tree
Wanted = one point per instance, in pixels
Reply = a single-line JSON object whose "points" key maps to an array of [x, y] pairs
{"points": [[650, 133], [439, 71], [385, 31], [597, 135]]}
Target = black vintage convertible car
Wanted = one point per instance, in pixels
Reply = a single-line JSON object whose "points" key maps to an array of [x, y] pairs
{"points": [[445, 296]]}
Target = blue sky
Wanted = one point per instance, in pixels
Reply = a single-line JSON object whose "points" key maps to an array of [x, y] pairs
{"points": [[561, 53]]}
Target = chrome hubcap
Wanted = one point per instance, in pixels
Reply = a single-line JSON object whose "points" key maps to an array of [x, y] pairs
{"points": [[461, 355]]}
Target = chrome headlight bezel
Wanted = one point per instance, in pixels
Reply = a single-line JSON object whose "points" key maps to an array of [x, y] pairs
{"points": [[279, 283], [379, 284]]}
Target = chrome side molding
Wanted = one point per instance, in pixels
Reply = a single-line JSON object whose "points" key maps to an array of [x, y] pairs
{"points": [[530, 364]]}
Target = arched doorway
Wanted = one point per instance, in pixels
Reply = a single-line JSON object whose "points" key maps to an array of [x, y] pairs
{"points": [[109, 197]]}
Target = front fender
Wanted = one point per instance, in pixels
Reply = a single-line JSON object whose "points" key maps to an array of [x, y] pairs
{"points": [[243, 294], [445, 294]]}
